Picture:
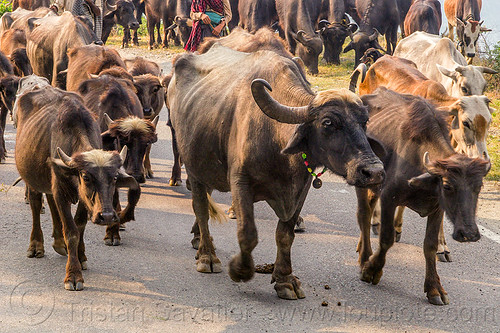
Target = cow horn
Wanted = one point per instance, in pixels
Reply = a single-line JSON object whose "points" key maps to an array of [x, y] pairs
{"points": [[374, 35], [110, 7], [155, 120], [123, 153], [361, 69], [171, 27], [108, 120], [275, 110], [427, 162], [486, 70], [300, 36], [65, 158], [322, 24]]}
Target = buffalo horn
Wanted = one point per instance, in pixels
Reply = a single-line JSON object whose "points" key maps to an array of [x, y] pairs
{"points": [[173, 26], [275, 110], [110, 7], [427, 162], [65, 158], [323, 24], [107, 119], [374, 35], [123, 153], [155, 120]]}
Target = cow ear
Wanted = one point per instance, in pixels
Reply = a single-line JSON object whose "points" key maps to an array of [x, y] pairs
{"points": [[425, 181], [64, 168], [125, 180], [32, 23], [298, 142], [377, 147], [445, 71], [348, 48]]}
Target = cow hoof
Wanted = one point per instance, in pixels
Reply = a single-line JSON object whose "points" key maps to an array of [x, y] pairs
{"points": [[35, 250], [2, 160], [122, 227], [84, 265], [443, 256], [241, 270], [397, 236], [208, 264], [42, 210], [300, 226], [73, 287], [439, 300], [149, 174], [370, 275], [375, 228], [174, 182], [112, 241], [290, 288], [195, 242], [60, 247]]}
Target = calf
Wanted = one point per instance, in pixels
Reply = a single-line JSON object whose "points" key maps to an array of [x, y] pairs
{"points": [[469, 119], [425, 174], [122, 14], [58, 152]]}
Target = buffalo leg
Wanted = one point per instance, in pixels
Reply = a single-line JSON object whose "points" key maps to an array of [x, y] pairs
{"points": [[443, 253], [81, 221], [367, 199], [59, 245], [376, 219], [207, 261], [372, 270], [135, 39], [147, 163], [158, 39], [126, 37], [287, 285], [3, 120], [398, 222], [175, 180], [432, 286], [151, 32], [112, 237], [35, 248], [241, 267], [74, 278]]}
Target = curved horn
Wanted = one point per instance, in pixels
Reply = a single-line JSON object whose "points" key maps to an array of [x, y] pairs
{"points": [[427, 162], [123, 153], [171, 27], [107, 119], [374, 35], [155, 120], [354, 76], [300, 36], [322, 24], [110, 7], [65, 158], [275, 110]]}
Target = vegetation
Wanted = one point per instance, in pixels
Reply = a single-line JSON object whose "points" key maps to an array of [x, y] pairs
{"points": [[5, 6]]}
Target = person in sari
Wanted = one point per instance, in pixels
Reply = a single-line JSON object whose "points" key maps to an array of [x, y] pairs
{"points": [[210, 19]]}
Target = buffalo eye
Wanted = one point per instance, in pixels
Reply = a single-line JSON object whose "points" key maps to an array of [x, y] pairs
{"points": [[447, 187], [466, 124], [464, 90], [85, 178], [155, 89], [327, 122]]}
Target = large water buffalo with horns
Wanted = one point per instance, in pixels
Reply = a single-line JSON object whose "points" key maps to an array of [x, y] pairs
{"points": [[59, 153], [251, 140]]}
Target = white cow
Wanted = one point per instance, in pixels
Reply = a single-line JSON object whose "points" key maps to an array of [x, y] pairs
{"points": [[439, 60]]}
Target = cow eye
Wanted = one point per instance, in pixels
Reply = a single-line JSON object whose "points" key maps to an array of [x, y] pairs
{"points": [[464, 90], [85, 178], [327, 122], [466, 124]]}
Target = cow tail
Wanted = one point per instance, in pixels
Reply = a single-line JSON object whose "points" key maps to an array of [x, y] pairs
{"points": [[13, 184], [354, 76], [215, 212]]}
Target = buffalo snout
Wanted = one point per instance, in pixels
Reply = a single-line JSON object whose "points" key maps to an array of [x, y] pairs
{"points": [[134, 25], [370, 174], [147, 112], [106, 218], [466, 235], [471, 55]]}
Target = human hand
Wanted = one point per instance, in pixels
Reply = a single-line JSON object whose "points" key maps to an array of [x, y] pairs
{"points": [[205, 18]]}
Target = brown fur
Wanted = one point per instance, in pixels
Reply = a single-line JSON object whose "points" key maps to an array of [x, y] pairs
{"points": [[12, 39], [141, 66]]}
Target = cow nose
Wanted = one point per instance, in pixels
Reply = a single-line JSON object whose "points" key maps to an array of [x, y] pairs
{"points": [[134, 25], [107, 217], [147, 112], [373, 174], [140, 178], [471, 55], [462, 235]]}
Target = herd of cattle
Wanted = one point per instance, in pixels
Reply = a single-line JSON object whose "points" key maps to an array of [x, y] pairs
{"points": [[76, 105]]}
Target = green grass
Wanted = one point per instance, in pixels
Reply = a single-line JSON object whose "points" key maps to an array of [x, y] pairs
{"points": [[493, 142]]}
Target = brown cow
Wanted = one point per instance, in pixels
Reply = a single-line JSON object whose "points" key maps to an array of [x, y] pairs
{"points": [[139, 66], [12, 39], [423, 15], [8, 87], [89, 59], [469, 121], [30, 4], [46, 133], [425, 174]]}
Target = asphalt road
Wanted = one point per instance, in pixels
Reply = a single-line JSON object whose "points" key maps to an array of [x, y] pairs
{"points": [[149, 283]]}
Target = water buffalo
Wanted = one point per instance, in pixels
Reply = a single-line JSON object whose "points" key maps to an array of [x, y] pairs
{"points": [[123, 15], [58, 152], [373, 17], [424, 15], [87, 60], [425, 174], [438, 59], [252, 143], [30, 4], [256, 14], [465, 15], [469, 120], [298, 21], [51, 38]]}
